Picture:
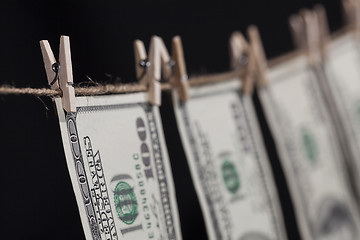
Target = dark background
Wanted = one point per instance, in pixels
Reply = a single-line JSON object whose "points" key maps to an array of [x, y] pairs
{"points": [[37, 200]]}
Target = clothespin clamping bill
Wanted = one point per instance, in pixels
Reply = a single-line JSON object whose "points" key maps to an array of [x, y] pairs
{"points": [[149, 70], [317, 32], [298, 32], [351, 10], [310, 31], [59, 73], [179, 75], [257, 51], [241, 58], [323, 25]]}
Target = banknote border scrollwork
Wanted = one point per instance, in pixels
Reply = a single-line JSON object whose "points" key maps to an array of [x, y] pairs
{"points": [[165, 199], [78, 159], [195, 152], [260, 166]]}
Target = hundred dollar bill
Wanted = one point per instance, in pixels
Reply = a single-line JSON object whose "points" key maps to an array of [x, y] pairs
{"points": [[119, 168], [342, 70], [228, 163], [309, 152]]}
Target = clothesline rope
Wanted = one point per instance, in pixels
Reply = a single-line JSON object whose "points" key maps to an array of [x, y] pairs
{"points": [[100, 89]]}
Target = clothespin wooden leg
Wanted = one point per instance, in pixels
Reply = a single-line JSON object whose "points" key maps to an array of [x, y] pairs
{"points": [[66, 75], [180, 77], [321, 16], [348, 11], [257, 50], [238, 47], [166, 63], [141, 61], [241, 58], [159, 59], [297, 29], [154, 75], [323, 25], [351, 9], [49, 61], [313, 36]]}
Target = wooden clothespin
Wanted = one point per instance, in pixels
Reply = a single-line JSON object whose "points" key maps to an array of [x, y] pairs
{"points": [[257, 51], [160, 63], [141, 62], [241, 58], [179, 76], [297, 29], [323, 25], [310, 31], [313, 37], [351, 10], [60, 73]]}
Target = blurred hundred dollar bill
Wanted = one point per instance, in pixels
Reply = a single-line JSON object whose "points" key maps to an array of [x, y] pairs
{"points": [[310, 152], [119, 167], [342, 81], [228, 163]]}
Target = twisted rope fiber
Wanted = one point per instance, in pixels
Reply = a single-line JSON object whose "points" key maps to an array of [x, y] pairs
{"points": [[7, 90], [80, 91], [115, 88]]}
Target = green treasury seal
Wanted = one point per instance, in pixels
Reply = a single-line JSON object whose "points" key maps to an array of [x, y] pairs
{"points": [[230, 176], [125, 203], [310, 145]]}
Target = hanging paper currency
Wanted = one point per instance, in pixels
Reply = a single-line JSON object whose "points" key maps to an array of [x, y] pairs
{"points": [[228, 163], [309, 152], [342, 78], [119, 167]]}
